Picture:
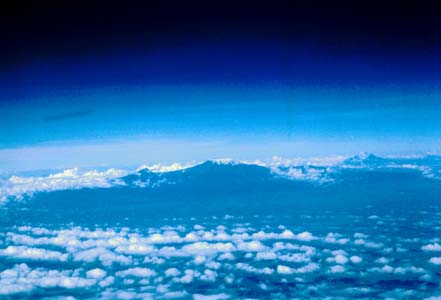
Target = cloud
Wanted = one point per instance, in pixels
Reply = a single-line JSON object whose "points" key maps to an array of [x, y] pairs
{"points": [[23, 252], [96, 273], [250, 269], [337, 269], [431, 247], [339, 259], [172, 272], [305, 236], [267, 255], [386, 269], [136, 272], [335, 238], [160, 168], [252, 246], [204, 248], [168, 261], [355, 259], [18, 187], [435, 260], [22, 279], [285, 270], [311, 267], [105, 256]]}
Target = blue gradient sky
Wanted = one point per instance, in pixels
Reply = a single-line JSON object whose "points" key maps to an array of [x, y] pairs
{"points": [[245, 96]]}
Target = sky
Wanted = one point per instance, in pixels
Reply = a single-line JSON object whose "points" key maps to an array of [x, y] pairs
{"points": [[87, 85]]}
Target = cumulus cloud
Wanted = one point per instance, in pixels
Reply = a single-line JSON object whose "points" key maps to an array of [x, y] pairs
{"points": [[431, 247], [166, 262], [335, 238], [387, 269], [305, 236], [250, 269], [17, 186], [337, 269], [252, 246], [172, 272], [136, 272], [105, 256], [355, 259], [285, 270], [96, 273], [28, 253], [160, 168], [22, 279], [435, 260], [339, 259]]}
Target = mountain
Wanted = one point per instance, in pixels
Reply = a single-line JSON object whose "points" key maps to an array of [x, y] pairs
{"points": [[366, 160], [142, 178], [208, 174], [231, 188]]}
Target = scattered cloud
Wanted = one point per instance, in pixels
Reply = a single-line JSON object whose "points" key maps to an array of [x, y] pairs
{"points": [[165, 262]]}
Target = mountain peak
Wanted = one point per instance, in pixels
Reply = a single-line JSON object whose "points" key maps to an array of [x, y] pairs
{"points": [[365, 159]]}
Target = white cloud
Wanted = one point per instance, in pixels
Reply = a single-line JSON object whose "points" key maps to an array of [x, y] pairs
{"points": [[285, 270], [373, 245], [172, 272], [435, 260], [341, 259], [174, 295], [382, 260], [160, 168], [159, 262], [252, 246], [136, 272], [17, 186], [22, 252], [204, 248], [105, 256], [311, 267], [295, 257], [250, 269], [226, 256], [384, 269], [359, 235], [22, 279], [135, 249], [96, 273], [267, 255], [209, 275], [431, 247], [356, 259], [335, 238], [106, 281], [188, 277], [305, 236]]}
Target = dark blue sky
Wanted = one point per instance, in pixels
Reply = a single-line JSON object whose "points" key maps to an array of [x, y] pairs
{"points": [[221, 80]]}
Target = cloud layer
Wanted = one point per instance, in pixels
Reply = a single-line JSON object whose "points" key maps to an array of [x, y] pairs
{"points": [[221, 258]]}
